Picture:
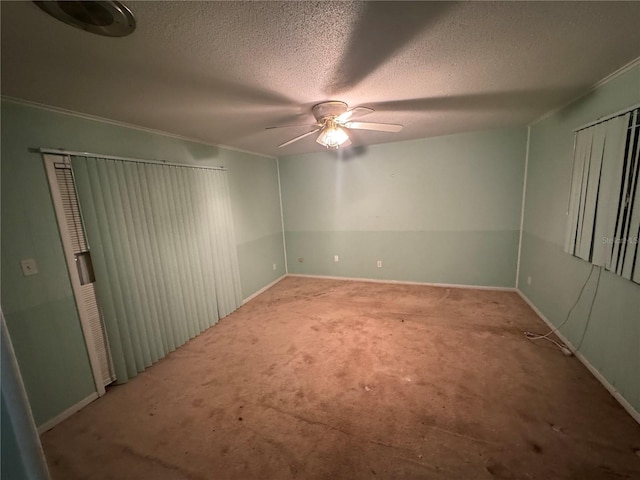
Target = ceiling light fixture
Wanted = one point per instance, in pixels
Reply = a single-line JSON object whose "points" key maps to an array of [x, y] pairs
{"points": [[332, 135], [108, 18], [334, 120]]}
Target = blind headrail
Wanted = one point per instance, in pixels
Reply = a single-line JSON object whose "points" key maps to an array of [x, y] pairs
{"points": [[608, 117], [57, 151]]}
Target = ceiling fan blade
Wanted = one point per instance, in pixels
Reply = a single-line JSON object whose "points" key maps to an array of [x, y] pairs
{"points": [[379, 127], [299, 137], [356, 112], [296, 125]]}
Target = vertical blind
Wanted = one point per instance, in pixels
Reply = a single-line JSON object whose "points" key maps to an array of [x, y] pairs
{"points": [[604, 205], [163, 251]]}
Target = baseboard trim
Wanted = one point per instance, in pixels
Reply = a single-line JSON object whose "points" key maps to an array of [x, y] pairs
{"points": [[403, 282], [605, 383], [49, 424], [263, 289]]}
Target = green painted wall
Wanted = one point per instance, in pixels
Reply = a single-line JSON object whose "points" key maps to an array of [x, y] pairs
{"points": [[438, 210], [40, 311], [612, 340]]}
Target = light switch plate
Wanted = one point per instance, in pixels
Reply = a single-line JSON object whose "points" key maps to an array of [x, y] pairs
{"points": [[29, 267]]}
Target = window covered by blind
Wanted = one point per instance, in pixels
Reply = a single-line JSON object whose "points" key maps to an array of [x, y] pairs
{"points": [[604, 206], [164, 254]]}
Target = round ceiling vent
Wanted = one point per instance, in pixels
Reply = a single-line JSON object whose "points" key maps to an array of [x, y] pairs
{"points": [[109, 18]]}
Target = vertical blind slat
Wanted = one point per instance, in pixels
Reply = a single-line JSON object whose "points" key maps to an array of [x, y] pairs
{"points": [[136, 243], [622, 229], [574, 199], [135, 287], [633, 215], [154, 271], [586, 170], [162, 260], [105, 210], [635, 229], [196, 255], [170, 252], [187, 260], [591, 191], [207, 242], [609, 190]]}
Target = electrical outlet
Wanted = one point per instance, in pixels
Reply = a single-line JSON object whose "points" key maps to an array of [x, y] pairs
{"points": [[336, 258], [29, 267], [529, 280], [379, 264]]}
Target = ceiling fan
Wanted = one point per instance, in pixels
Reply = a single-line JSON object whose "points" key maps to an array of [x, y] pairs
{"points": [[333, 119]]}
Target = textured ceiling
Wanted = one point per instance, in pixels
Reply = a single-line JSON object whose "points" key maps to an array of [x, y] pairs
{"points": [[223, 71]]}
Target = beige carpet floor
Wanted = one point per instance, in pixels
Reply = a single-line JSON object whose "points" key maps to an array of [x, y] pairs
{"points": [[324, 379]]}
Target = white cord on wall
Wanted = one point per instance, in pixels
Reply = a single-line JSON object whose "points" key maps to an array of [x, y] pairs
{"points": [[566, 350]]}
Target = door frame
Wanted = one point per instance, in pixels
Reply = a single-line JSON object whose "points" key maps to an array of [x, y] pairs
{"points": [[49, 161]]}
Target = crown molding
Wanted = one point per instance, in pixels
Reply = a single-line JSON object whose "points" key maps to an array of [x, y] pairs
{"points": [[117, 123], [622, 70]]}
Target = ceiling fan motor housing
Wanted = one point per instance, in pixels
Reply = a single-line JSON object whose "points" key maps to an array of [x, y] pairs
{"points": [[328, 109]]}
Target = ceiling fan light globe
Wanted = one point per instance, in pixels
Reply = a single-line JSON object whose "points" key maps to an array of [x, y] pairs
{"points": [[332, 137]]}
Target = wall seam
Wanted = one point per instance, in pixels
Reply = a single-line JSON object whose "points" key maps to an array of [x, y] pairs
{"points": [[524, 198], [284, 240]]}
